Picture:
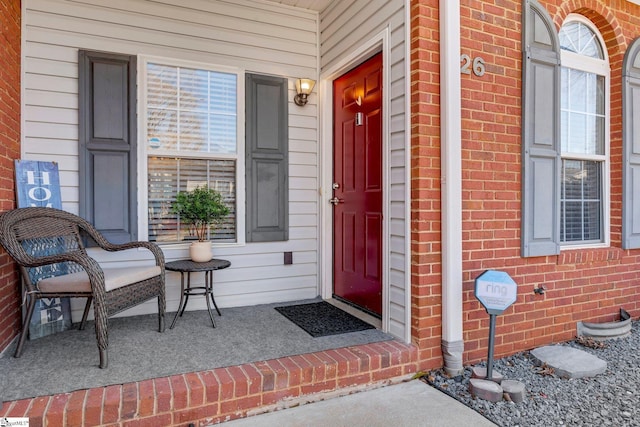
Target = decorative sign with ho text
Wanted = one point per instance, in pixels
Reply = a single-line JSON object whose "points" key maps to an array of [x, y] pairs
{"points": [[38, 185]]}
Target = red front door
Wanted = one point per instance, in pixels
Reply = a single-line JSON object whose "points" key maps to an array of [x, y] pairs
{"points": [[357, 194]]}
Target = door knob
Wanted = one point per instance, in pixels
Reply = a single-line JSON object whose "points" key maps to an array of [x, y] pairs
{"points": [[335, 201]]}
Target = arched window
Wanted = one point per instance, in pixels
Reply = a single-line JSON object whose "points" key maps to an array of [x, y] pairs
{"points": [[584, 134]]}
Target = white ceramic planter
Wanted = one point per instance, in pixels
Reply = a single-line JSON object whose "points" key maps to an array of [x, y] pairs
{"points": [[200, 251]]}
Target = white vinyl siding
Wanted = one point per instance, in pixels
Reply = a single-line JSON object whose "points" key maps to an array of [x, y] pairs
{"points": [[251, 36], [344, 27]]}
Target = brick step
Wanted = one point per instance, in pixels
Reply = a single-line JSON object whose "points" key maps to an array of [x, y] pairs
{"points": [[220, 394]]}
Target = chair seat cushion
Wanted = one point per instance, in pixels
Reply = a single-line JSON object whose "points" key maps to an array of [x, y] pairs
{"points": [[113, 278]]}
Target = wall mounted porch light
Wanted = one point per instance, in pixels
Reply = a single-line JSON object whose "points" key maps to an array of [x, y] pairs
{"points": [[303, 90]]}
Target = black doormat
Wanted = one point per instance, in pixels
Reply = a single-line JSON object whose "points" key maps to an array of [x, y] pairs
{"points": [[320, 319]]}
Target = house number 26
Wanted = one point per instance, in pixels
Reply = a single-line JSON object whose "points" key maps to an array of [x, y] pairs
{"points": [[476, 65]]}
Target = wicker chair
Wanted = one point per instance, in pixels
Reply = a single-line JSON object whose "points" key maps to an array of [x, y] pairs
{"points": [[47, 244]]}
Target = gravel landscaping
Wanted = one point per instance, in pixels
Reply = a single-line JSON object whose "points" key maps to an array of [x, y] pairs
{"points": [[609, 399]]}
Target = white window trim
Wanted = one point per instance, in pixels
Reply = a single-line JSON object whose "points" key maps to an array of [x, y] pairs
{"points": [[600, 67], [143, 193]]}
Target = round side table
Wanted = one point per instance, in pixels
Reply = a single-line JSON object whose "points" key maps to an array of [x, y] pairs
{"points": [[187, 266]]}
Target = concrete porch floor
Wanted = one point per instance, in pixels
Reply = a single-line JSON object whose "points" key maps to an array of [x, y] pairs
{"points": [[199, 395]]}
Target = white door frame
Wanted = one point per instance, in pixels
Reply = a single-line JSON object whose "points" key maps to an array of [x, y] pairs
{"points": [[378, 43]]}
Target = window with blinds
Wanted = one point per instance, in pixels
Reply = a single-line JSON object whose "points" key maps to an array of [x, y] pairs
{"points": [[191, 137], [583, 133]]}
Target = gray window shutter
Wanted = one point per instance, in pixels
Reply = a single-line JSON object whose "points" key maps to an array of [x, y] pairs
{"points": [[540, 133], [107, 143], [631, 147], [267, 158]]}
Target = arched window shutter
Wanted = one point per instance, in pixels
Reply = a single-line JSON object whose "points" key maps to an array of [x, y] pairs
{"points": [[631, 147], [540, 133]]}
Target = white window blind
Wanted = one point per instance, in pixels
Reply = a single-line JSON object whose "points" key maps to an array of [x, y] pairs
{"points": [[584, 122], [191, 137]]}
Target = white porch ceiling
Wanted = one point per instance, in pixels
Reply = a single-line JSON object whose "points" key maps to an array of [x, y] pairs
{"points": [[317, 5]]}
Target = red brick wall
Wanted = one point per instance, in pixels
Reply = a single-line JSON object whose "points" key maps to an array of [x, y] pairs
{"points": [[9, 150], [222, 394], [588, 285], [426, 273]]}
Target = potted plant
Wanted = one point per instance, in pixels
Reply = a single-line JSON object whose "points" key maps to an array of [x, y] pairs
{"points": [[199, 209]]}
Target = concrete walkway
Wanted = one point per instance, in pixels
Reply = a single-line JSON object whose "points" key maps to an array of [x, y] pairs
{"points": [[407, 404]]}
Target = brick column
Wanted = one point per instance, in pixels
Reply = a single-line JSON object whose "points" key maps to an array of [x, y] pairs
{"points": [[9, 151], [426, 214]]}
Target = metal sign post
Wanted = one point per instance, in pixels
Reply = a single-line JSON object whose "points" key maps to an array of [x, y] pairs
{"points": [[496, 291]]}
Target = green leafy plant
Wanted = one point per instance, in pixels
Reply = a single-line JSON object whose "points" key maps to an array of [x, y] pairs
{"points": [[199, 209]]}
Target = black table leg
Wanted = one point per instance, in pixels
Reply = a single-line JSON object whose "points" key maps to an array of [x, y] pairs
{"points": [[210, 273], [186, 292], [207, 290], [180, 307]]}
